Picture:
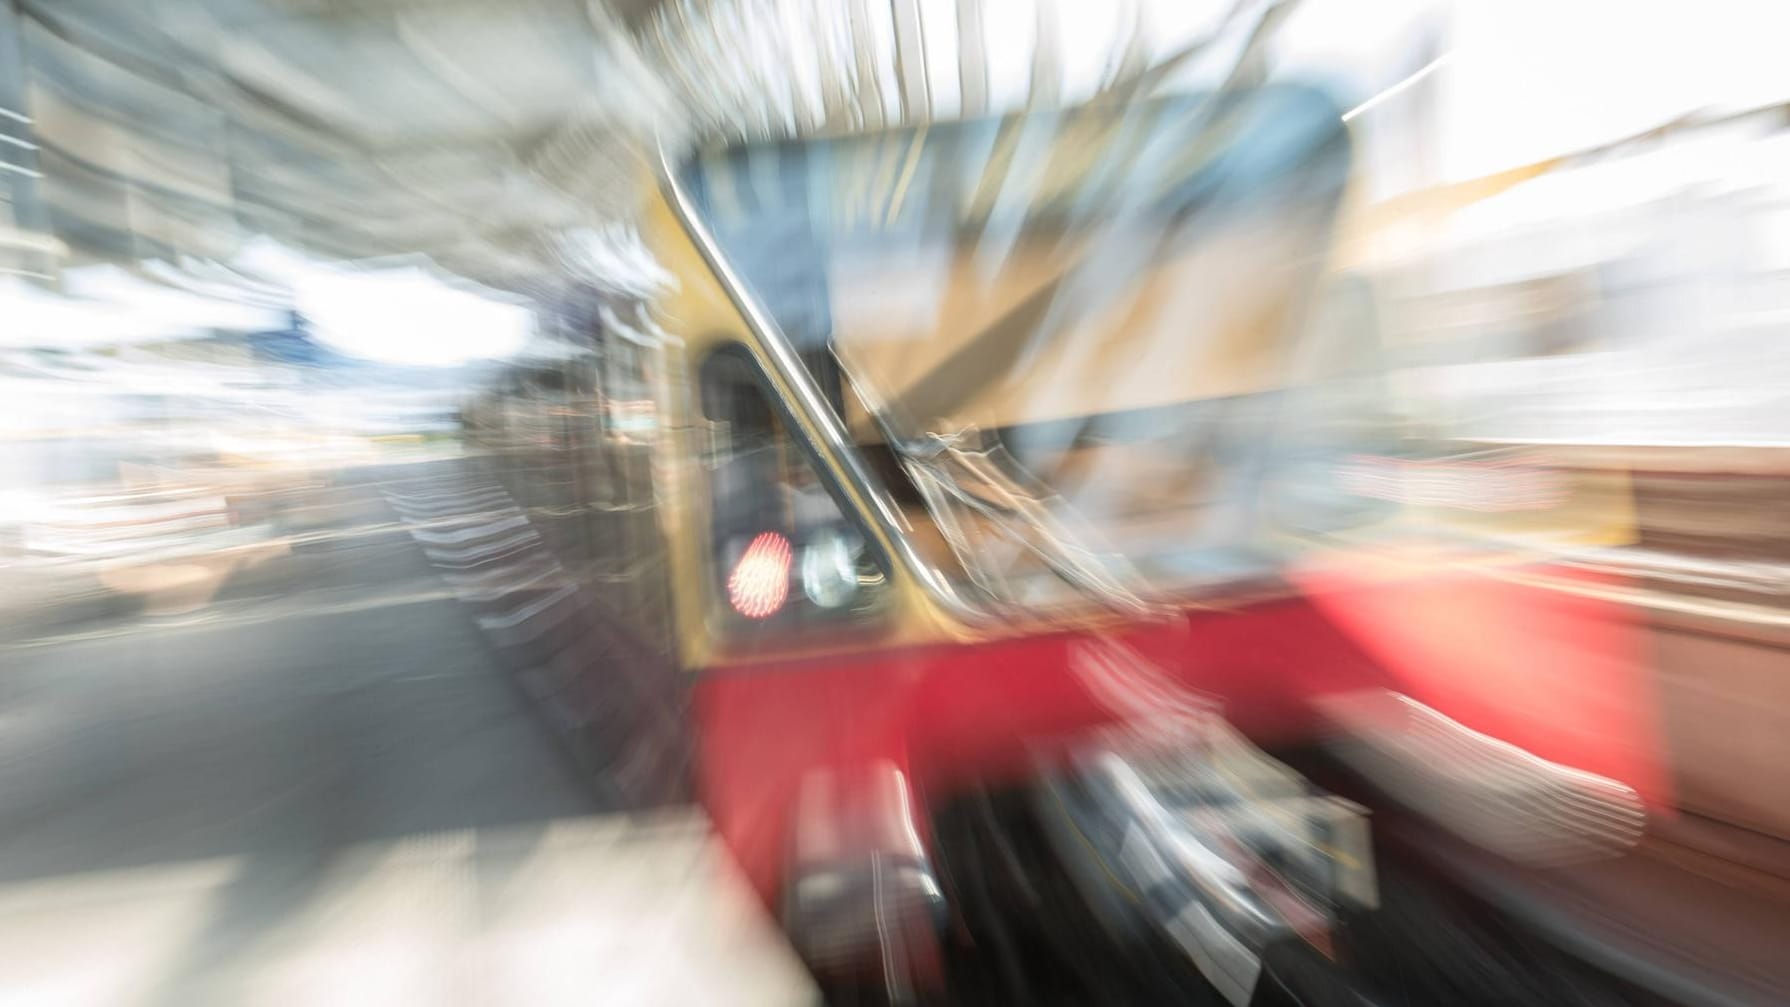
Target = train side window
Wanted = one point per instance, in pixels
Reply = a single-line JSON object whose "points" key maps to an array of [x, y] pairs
{"points": [[787, 552]]}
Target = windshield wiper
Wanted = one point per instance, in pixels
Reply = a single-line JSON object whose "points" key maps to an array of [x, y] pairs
{"points": [[966, 471]]}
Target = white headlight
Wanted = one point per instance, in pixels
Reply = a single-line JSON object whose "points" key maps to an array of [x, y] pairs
{"points": [[829, 572]]}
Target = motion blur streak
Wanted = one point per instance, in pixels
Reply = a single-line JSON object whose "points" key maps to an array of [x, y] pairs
{"points": [[760, 580], [1489, 791], [1249, 502], [513, 915]]}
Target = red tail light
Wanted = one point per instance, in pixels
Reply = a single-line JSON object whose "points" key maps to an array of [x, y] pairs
{"points": [[759, 584]]}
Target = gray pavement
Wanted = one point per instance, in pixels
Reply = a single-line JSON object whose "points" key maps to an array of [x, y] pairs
{"points": [[252, 764], [328, 697]]}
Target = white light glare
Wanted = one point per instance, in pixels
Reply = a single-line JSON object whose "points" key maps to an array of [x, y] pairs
{"points": [[407, 316], [1402, 86]]}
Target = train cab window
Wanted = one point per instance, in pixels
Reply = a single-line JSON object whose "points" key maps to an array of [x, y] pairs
{"points": [[786, 552], [1086, 334]]}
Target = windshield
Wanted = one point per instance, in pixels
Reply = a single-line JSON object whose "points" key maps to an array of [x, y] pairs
{"points": [[1083, 335]]}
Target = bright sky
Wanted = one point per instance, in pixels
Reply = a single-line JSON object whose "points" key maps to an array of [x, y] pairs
{"points": [[104, 306], [401, 315], [398, 315], [1534, 78], [406, 316], [1524, 79]]}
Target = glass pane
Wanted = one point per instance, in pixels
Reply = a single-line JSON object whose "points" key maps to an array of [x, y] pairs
{"points": [[785, 552], [1104, 314]]}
